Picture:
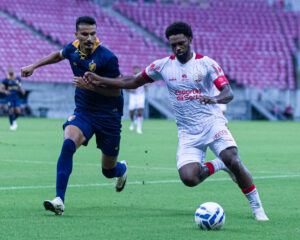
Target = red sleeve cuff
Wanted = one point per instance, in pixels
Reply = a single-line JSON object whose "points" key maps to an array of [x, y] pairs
{"points": [[220, 82], [146, 77]]}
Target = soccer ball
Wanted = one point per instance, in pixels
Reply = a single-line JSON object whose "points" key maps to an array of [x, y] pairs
{"points": [[210, 216]]}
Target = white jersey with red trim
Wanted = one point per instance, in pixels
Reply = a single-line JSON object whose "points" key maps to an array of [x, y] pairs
{"points": [[200, 76]]}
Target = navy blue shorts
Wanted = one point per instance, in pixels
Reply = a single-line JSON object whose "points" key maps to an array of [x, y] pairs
{"points": [[107, 137], [13, 102]]}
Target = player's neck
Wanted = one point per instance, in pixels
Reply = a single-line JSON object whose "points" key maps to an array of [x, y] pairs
{"points": [[84, 51], [185, 60]]}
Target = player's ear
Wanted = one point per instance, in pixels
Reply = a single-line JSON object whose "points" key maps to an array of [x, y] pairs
{"points": [[190, 40], [76, 34]]}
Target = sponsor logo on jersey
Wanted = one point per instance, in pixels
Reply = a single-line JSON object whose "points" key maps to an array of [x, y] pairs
{"points": [[172, 79], [153, 68], [92, 66], [185, 95], [221, 133], [198, 78]]}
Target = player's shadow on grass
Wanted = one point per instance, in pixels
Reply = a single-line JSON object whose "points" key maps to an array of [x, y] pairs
{"points": [[130, 211]]}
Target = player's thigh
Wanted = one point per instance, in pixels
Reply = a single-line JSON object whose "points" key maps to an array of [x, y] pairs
{"points": [[222, 139], [109, 145], [190, 151], [75, 134]]}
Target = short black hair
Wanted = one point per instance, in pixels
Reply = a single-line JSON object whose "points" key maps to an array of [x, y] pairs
{"points": [[179, 28], [85, 20]]}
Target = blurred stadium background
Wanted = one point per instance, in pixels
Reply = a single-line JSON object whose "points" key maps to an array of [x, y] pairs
{"points": [[256, 42]]}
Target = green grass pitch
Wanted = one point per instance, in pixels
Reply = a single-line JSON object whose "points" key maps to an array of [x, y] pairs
{"points": [[154, 204]]}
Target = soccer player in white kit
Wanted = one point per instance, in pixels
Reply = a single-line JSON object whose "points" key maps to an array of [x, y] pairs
{"points": [[136, 103], [196, 85]]}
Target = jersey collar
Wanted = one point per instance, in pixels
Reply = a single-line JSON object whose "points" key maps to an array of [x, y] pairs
{"points": [[9, 77]]}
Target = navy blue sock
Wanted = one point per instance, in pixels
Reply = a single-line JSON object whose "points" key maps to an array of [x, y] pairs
{"points": [[118, 171], [11, 118], [64, 167]]}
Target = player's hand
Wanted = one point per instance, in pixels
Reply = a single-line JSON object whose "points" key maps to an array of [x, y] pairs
{"points": [[208, 100], [80, 83], [90, 77], [6, 92], [27, 71]]}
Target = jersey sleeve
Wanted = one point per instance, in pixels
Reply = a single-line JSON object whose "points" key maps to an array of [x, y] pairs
{"points": [[216, 74], [112, 68], [66, 50], [18, 81], [4, 82], [153, 71]]}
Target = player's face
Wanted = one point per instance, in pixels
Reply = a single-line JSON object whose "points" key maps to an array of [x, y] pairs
{"points": [[86, 34], [180, 45], [10, 71]]}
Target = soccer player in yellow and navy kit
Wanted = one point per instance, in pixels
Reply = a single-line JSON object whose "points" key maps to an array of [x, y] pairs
{"points": [[98, 111], [11, 86]]}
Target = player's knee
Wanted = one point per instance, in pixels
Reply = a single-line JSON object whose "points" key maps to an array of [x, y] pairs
{"points": [[108, 173], [189, 181], [232, 159], [190, 174]]}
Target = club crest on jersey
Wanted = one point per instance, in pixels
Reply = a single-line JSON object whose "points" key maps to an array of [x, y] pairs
{"points": [[72, 117], [184, 77], [197, 77], [92, 66]]}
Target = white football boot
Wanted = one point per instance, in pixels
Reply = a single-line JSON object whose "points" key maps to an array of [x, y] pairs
{"points": [[56, 205], [139, 130], [131, 127], [259, 215], [121, 181], [14, 126]]}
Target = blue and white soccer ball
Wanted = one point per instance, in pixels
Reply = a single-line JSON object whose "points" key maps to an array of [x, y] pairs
{"points": [[210, 216]]}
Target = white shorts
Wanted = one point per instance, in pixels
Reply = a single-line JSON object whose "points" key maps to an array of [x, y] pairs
{"points": [[136, 101], [192, 148]]}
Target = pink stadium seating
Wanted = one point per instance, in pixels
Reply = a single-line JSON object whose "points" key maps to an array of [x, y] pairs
{"points": [[57, 20], [251, 40], [20, 48]]}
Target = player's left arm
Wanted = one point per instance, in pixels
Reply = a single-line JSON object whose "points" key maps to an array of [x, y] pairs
{"points": [[217, 77], [20, 89]]}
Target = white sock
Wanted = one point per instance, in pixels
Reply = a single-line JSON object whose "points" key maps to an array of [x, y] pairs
{"points": [[253, 197], [139, 123], [215, 165]]}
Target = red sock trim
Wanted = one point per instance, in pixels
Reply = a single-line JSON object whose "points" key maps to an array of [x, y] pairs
{"points": [[249, 189], [211, 168]]}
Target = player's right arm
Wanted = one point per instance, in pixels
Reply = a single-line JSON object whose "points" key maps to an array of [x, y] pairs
{"points": [[50, 59], [127, 82], [3, 89], [150, 74]]}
